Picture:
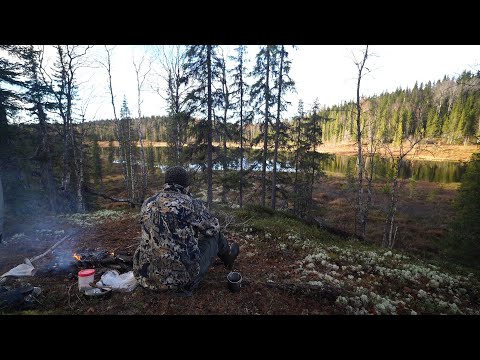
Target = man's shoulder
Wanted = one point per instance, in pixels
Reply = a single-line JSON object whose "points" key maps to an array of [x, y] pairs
{"points": [[174, 197]]}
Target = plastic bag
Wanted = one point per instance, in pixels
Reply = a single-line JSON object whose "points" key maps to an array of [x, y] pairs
{"points": [[125, 282], [25, 269]]}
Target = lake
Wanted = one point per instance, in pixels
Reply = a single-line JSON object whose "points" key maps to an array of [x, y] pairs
{"points": [[432, 171]]}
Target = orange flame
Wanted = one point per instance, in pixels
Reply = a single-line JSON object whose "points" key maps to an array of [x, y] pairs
{"points": [[77, 257]]}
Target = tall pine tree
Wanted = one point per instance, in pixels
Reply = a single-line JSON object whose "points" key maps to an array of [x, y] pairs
{"points": [[202, 67], [283, 84], [239, 103], [261, 95]]}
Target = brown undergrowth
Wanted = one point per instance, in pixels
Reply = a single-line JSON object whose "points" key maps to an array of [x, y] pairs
{"points": [[289, 267]]}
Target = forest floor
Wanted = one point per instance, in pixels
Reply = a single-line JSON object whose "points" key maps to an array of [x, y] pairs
{"points": [[288, 266]]}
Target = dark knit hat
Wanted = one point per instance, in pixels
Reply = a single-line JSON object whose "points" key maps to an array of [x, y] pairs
{"points": [[177, 175]]}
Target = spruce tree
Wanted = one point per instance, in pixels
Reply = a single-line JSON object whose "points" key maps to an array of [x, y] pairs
{"points": [[262, 99], [202, 68], [239, 103], [283, 84]]}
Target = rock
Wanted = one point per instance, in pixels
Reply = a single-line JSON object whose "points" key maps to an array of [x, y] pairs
{"points": [[15, 298]]}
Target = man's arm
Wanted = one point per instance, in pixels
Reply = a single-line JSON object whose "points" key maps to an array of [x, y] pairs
{"points": [[203, 221]]}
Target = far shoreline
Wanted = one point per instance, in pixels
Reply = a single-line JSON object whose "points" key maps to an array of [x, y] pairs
{"points": [[429, 152]]}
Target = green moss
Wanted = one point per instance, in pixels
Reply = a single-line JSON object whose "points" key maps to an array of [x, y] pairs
{"points": [[280, 225], [35, 312]]}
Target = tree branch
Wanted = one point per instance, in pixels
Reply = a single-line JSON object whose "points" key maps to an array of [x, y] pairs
{"points": [[90, 191]]}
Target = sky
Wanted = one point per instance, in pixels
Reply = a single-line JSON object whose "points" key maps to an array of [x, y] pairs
{"points": [[326, 72]]}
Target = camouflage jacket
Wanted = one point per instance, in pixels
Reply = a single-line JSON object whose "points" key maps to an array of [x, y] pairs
{"points": [[172, 222]]}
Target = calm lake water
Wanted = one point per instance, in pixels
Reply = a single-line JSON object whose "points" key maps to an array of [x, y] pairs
{"points": [[433, 171]]}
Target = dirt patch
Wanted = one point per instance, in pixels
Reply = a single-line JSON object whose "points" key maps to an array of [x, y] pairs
{"points": [[60, 294]]}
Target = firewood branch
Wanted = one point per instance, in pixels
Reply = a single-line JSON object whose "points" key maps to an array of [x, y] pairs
{"points": [[49, 250], [105, 196]]}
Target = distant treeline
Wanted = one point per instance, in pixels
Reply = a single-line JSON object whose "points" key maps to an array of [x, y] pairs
{"points": [[446, 110], [155, 129]]}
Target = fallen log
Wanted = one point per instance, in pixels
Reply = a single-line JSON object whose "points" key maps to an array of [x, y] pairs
{"points": [[105, 196], [333, 230], [125, 258]]}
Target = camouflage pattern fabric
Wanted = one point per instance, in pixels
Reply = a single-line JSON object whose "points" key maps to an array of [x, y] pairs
{"points": [[172, 222]]}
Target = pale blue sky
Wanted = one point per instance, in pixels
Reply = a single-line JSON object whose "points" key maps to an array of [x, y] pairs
{"points": [[323, 71]]}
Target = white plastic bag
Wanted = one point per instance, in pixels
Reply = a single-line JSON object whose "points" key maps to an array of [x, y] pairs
{"points": [[25, 269], [125, 282]]}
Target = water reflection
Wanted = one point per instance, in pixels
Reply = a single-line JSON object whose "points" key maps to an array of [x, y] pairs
{"points": [[433, 171]]}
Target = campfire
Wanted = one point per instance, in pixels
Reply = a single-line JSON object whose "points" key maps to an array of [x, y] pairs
{"points": [[103, 259]]}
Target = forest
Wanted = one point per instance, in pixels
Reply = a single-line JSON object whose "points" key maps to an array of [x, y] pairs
{"points": [[449, 113], [446, 111], [264, 175]]}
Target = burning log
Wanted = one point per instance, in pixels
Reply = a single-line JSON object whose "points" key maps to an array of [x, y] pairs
{"points": [[126, 259], [103, 259]]}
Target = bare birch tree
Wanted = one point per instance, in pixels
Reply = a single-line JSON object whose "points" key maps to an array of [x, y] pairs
{"points": [[360, 213], [411, 146], [370, 152], [174, 91], [119, 128], [141, 76]]}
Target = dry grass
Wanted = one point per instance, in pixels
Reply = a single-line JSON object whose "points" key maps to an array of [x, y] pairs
{"points": [[432, 152], [422, 216], [339, 202]]}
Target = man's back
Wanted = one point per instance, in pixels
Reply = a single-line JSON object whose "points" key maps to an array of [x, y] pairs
{"points": [[168, 256]]}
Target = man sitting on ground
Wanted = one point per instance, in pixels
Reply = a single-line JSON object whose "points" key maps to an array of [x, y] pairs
{"points": [[180, 238]]}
